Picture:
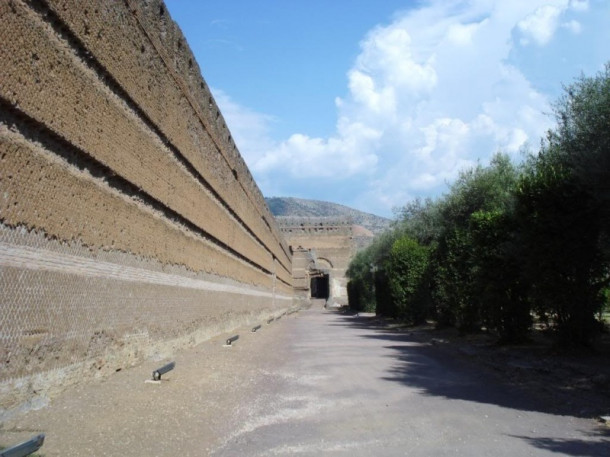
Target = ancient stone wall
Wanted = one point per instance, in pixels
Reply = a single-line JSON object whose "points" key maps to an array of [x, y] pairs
{"points": [[129, 223], [322, 245]]}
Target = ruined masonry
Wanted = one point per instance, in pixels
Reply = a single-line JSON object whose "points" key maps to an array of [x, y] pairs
{"points": [[130, 226], [322, 249]]}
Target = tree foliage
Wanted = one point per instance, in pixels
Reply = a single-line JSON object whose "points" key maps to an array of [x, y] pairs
{"points": [[470, 239], [508, 243], [563, 212], [407, 279]]}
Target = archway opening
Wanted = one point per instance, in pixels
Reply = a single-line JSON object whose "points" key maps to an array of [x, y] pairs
{"points": [[319, 286]]}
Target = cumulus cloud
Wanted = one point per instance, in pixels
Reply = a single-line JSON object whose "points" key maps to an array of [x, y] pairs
{"points": [[540, 26], [429, 94], [442, 94], [308, 157]]}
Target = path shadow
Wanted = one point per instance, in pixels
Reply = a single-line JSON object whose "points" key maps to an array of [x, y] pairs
{"points": [[597, 447], [438, 370]]}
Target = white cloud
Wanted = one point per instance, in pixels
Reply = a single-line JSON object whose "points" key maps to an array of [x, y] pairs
{"points": [[249, 129], [308, 157], [579, 5], [429, 94], [463, 34], [379, 100], [540, 26], [573, 26], [388, 53]]}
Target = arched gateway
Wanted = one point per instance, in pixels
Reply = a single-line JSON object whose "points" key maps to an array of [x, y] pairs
{"points": [[322, 249]]}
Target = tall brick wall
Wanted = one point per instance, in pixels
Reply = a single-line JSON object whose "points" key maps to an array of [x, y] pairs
{"points": [[129, 223]]}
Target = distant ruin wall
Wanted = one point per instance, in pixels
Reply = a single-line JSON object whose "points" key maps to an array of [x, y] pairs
{"points": [[319, 245], [129, 223]]}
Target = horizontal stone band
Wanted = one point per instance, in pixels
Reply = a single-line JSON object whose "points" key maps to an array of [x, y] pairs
{"points": [[37, 259]]}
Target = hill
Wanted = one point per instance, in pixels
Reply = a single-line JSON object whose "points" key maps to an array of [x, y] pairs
{"points": [[299, 207]]}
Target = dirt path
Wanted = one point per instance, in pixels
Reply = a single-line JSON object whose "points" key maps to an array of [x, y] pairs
{"points": [[316, 384], [196, 404]]}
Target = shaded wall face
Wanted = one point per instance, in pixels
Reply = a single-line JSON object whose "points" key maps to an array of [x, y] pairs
{"points": [[129, 223]]}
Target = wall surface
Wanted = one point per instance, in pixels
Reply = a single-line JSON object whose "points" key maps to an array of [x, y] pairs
{"points": [[129, 223], [322, 245]]}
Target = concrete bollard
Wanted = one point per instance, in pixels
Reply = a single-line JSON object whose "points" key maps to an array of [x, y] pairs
{"points": [[254, 329], [25, 448], [232, 339], [161, 371]]}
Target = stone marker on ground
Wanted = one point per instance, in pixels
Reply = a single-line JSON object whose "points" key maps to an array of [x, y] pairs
{"points": [[25, 448]]}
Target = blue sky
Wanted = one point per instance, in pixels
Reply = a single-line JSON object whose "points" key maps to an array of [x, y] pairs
{"points": [[373, 103]]}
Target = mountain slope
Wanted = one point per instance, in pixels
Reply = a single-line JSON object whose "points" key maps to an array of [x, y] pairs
{"points": [[298, 207]]}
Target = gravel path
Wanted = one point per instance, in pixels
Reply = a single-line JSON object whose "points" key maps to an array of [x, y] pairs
{"points": [[315, 383]]}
